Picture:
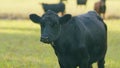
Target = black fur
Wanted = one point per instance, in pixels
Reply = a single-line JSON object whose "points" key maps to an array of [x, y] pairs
{"points": [[79, 41]]}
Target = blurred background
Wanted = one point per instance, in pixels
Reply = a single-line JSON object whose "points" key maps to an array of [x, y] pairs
{"points": [[19, 37], [14, 9]]}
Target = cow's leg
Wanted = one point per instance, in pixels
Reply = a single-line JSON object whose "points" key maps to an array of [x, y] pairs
{"points": [[83, 64], [101, 63], [83, 57], [61, 65], [64, 64], [90, 66]]}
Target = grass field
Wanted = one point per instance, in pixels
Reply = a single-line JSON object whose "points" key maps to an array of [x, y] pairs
{"points": [[20, 46], [19, 39]]}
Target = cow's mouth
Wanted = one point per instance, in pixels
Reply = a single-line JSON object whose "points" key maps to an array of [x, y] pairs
{"points": [[45, 41]]}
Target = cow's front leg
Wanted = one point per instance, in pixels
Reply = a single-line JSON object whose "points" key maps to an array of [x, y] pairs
{"points": [[101, 63], [90, 66], [84, 58], [84, 64], [64, 63]]}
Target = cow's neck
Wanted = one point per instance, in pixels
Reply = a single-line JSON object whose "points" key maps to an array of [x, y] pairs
{"points": [[68, 32]]}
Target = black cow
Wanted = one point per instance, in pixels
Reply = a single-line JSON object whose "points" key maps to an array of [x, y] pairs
{"points": [[81, 2], [60, 7], [77, 41]]}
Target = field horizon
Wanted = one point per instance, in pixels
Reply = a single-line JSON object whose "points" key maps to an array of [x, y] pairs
{"points": [[12, 9]]}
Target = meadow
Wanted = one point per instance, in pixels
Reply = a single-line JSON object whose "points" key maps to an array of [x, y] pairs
{"points": [[19, 39], [20, 46]]}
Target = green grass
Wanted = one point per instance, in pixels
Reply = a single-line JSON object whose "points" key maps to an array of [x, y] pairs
{"points": [[113, 53], [20, 46]]}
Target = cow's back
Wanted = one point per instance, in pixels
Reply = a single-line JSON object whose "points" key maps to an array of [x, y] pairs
{"points": [[95, 34], [92, 22]]}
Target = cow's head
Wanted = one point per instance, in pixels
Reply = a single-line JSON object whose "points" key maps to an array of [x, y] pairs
{"points": [[50, 25]]}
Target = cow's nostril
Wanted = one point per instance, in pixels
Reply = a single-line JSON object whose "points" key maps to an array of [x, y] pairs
{"points": [[44, 39]]}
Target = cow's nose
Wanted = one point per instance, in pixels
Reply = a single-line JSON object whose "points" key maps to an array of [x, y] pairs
{"points": [[44, 39]]}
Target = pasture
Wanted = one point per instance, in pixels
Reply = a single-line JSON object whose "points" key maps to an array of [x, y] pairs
{"points": [[19, 39], [20, 46]]}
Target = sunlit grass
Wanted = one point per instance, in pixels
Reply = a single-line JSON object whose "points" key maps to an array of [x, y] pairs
{"points": [[18, 27], [20, 46], [113, 52]]}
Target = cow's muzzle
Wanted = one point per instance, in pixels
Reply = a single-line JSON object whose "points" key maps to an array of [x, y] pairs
{"points": [[45, 39]]}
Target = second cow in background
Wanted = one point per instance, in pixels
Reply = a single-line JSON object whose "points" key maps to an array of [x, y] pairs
{"points": [[59, 7], [100, 7]]}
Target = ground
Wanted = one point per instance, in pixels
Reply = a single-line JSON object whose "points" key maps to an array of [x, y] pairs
{"points": [[20, 46]]}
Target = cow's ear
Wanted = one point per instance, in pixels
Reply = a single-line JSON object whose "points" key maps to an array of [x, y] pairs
{"points": [[64, 19], [35, 18]]}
